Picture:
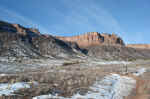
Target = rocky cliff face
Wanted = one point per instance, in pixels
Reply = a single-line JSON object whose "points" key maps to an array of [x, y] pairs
{"points": [[18, 41], [94, 38], [139, 46]]}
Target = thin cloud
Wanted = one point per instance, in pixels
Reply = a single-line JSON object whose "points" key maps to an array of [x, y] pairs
{"points": [[81, 16], [12, 16], [86, 16]]}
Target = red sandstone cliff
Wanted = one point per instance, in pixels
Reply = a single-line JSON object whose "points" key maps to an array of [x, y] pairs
{"points": [[94, 38], [139, 46]]}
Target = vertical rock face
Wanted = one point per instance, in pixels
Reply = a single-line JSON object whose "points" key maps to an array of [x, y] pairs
{"points": [[94, 38], [112, 39]]}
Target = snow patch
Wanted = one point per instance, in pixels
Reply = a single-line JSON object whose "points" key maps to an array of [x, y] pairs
{"points": [[8, 89], [3, 75], [112, 62], [140, 71], [113, 86]]}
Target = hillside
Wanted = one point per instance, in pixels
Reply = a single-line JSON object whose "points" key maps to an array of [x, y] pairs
{"points": [[18, 41], [107, 46], [118, 53]]}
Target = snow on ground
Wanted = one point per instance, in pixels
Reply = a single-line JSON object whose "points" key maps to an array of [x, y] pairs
{"points": [[111, 62], [113, 86], [3, 75], [8, 89], [140, 71]]}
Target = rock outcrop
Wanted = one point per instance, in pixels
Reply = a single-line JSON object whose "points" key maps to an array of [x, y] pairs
{"points": [[139, 46], [94, 38], [18, 41]]}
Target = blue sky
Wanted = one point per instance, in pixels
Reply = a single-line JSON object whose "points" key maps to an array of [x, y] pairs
{"points": [[129, 19]]}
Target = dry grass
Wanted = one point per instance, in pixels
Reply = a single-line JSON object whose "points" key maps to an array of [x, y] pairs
{"points": [[71, 78], [64, 83]]}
